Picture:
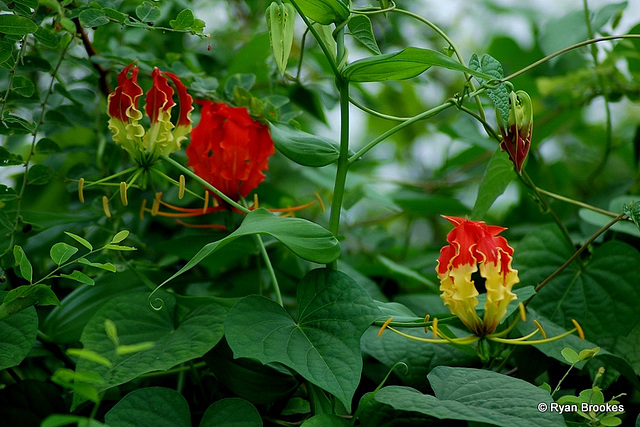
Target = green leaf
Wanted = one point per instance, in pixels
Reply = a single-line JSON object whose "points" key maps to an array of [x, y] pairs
{"points": [[119, 247], [26, 296], [46, 38], [632, 210], [32, 4], [618, 204], [324, 11], [6, 51], [582, 293], [26, 270], [47, 146], [7, 193], [474, 395], [570, 355], [17, 335], [231, 411], [22, 86], [151, 406], [403, 273], [16, 25], [360, 28], [103, 266], [493, 68], [405, 64], [61, 252], [148, 12], [496, 178], [59, 420], [80, 240], [322, 345], [326, 420], [306, 239], [79, 276], [280, 20], [9, 159], [93, 18], [180, 333], [183, 21], [120, 236], [115, 15], [39, 174], [304, 148]]}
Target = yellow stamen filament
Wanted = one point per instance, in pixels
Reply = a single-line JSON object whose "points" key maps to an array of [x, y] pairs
{"points": [[142, 208], [105, 206], [434, 327], [523, 313], [523, 340], [181, 186], [320, 201], [215, 203], [256, 205], [206, 202], [384, 326], [295, 208], [80, 188], [539, 326], [462, 341], [156, 204], [123, 193], [578, 328]]}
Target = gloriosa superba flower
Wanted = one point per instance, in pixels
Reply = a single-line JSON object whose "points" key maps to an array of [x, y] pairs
{"points": [[162, 137], [476, 248]]}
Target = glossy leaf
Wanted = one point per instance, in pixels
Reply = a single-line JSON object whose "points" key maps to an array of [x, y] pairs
{"points": [[602, 296], [324, 11], [26, 296], [61, 252], [26, 270], [493, 68], [405, 64], [467, 394], [496, 178], [360, 28], [231, 411], [156, 406], [304, 148], [103, 266], [322, 345], [183, 21], [47, 146], [7, 158], [17, 335], [16, 25], [179, 333], [23, 86], [93, 18], [306, 239], [40, 174], [148, 12], [80, 240], [79, 276]]}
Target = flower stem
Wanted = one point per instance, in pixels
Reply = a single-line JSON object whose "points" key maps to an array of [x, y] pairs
{"points": [[272, 273], [577, 203]]}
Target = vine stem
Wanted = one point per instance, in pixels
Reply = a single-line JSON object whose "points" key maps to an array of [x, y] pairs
{"points": [[576, 202], [577, 253]]}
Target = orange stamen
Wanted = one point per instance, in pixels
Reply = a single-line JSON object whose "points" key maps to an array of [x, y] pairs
{"points": [[434, 327], [384, 326], [206, 202], [142, 208], [215, 226], [156, 204], [426, 319], [255, 201], [322, 205], [578, 328]]}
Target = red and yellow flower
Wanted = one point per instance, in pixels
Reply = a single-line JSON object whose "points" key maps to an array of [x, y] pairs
{"points": [[162, 136], [229, 149], [474, 246]]}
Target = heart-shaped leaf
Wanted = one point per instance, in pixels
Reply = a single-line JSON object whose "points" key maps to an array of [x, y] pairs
{"points": [[152, 406], [322, 345]]}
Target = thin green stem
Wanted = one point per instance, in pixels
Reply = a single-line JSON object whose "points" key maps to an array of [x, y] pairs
{"points": [[343, 159], [577, 253], [272, 273], [568, 49], [213, 189], [562, 379], [577, 203], [387, 134]]}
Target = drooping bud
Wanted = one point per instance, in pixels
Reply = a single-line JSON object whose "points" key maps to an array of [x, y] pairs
{"points": [[516, 135]]}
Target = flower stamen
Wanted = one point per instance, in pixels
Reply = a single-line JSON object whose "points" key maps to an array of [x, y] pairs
{"points": [[539, 326], [181, 187], [80, 190], [384, 326], [578, 328], [105, 206], [123, 193]]}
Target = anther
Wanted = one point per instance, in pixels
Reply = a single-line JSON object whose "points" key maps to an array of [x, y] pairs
{"points": [[123, 193], [256, 205], [105, 206], [80, 190], [142, 208], [206, 202], [578, 328], [539, 326], [523, 313], [156, 204], [434, 327], [426, 319], [384, 326], [181, 186]]}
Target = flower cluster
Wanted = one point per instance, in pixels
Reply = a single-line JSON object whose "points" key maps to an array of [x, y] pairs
{"points": [[229, 149], [162, 136], [474, 245], [516, 135]]}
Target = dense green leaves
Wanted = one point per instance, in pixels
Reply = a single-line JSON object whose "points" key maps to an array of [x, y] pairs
{"points": [[16, 25], [229, 411], [323, 344], [17, 334]]}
